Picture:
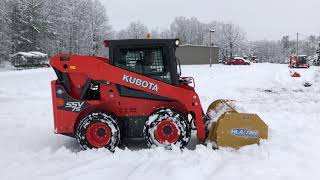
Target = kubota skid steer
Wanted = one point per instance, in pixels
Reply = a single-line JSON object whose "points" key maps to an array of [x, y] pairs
{"points": [[138, 93], [298, 61]]}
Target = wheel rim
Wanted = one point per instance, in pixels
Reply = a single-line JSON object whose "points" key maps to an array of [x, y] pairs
{"points": [[167, 131], [98, 134]]}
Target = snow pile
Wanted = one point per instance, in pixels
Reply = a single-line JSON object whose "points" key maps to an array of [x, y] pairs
{"points": [[6, 66], [31, 54], [30, 149], [221, 108]]}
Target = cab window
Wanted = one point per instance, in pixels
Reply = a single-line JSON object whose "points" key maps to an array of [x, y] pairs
{"points": [[147, 61]]}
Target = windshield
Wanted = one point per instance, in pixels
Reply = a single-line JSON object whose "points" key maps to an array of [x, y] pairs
{"points": [[302, 59], [145, 60]]}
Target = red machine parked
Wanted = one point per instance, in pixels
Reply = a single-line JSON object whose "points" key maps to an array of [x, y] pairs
{"points": [[298, 61], [138, 93], [237, 61]]}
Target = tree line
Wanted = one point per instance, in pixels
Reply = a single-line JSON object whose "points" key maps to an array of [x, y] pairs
{"points": [[278, 51], [52, 26], [229, 37], [80, 26]]}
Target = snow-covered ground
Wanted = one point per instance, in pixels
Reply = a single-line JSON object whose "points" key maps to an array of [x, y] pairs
{"points": [[6, 66], [30, 149]]}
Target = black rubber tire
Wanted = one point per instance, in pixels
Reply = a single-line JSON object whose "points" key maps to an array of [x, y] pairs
{"points": [[102, 117], [181, 121]]}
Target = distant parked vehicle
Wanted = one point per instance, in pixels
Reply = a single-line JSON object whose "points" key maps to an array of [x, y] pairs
{"points": [[298, 61], [237, 61], [29, 59]]}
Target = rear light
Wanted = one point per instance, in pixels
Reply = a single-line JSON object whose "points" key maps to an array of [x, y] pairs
{"points": [[106, 43]]}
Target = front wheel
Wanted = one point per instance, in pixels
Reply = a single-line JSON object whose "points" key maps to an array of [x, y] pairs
{"points": [[98, 130], [166, 127]]}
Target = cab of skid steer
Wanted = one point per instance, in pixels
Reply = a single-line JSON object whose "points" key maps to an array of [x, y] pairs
{"points": [[153, 58], [302, 59]]}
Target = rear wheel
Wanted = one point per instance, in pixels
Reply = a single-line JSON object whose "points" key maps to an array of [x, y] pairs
{"points": [[98, 130], [166, 127]]}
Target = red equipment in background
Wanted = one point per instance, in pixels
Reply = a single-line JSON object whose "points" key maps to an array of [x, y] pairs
{"points": [[298, 61], [294, 74]]}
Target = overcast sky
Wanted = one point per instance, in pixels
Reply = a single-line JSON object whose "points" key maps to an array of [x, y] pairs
{"points": [[260, 19]]}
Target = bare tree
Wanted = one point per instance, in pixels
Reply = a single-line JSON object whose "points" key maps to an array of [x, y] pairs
{"points": [[198, 31], [189, 31], [78, 26], [179, 29], [232, 36], [5, 41], [100, 28], [135, 30], [161, 34], [309, 45], [166, 34]]}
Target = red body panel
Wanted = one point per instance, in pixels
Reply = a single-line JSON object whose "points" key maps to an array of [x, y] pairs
{"points": [[235, 62], [79, 68]]}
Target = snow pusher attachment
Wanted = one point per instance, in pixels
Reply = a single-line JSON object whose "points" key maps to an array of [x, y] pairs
{"points": [[229, 128]]}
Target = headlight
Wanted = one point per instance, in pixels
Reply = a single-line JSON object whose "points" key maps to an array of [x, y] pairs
{"points": [[177, 42]]}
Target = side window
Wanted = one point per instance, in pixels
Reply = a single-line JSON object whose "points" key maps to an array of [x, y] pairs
{"points": [[129, 59], [146, 61]]}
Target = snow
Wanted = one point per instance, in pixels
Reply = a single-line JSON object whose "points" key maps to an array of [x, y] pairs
{"points": [[38, 53], [6, 66], [161, 115], [31, 54], [31, 150], [221, 108]]}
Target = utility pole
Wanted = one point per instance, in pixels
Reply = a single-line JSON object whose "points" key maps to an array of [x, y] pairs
{"points": [[211, 31], [297, 51], [94, 39]]}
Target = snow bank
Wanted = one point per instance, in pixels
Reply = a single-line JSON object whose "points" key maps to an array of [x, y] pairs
{"points": [[30, 149], [6, 66], [30, 54]]}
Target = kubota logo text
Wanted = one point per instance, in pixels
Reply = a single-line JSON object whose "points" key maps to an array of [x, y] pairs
{"points": [[140, 82], [75, 106]]}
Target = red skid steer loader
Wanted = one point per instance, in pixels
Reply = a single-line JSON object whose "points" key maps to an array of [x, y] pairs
{"points": [[138, 93], [298, 61]]}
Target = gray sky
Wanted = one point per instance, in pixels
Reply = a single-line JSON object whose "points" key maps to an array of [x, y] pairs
{"points": [[260, 19]]}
